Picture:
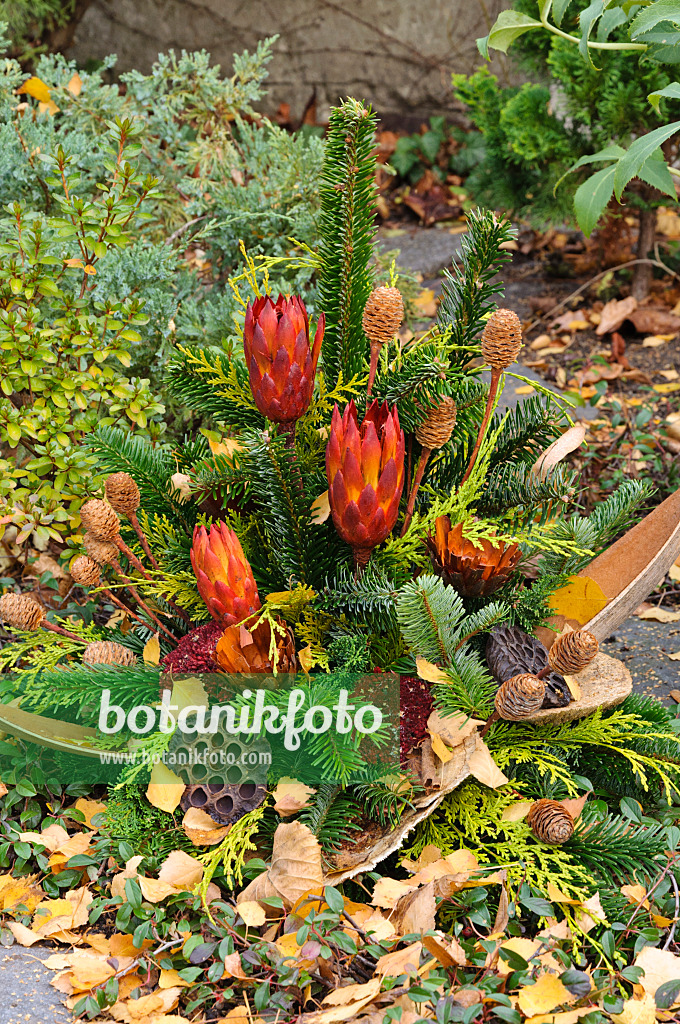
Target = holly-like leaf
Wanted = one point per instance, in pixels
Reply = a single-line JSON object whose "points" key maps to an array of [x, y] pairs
{"points": [[671, 92], [654, 14], [655, 172], [591, 198]]}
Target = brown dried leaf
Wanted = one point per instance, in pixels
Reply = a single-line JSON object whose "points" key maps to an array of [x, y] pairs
{"points": [[445, 949], [569, 441], [429, 672], [614, 313], [201, 829], [484, 768], [415, 912], [290, 796], [181, 870], [296, 861], [401, 961]]}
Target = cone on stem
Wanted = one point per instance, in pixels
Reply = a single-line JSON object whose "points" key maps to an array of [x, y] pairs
{"points": [[106, 652], [21, 611], [102, 551], [519, 697], [502, 339], [100, 519], [571, 652], [381, 320], [122, 493], [85, 571]]}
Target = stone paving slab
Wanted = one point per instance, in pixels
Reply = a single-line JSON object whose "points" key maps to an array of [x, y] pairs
{"points": [[645, 647], [26, 996]]}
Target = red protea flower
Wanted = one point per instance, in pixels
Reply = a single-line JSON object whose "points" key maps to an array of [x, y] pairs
{"points": [[365, 469], [280, 362], [225, 579]]}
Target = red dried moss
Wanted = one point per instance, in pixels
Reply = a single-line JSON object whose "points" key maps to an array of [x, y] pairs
{"points": [[416, 707], [196, 651]]}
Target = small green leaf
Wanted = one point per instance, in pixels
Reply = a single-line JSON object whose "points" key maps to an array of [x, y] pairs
{"points": [[591, 198], [655, 172], [671, 91], [648, 17], [510, 25]]}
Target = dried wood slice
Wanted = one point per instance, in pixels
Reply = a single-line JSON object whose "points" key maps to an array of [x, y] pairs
{"points": [[439, 779], [604, 683]]}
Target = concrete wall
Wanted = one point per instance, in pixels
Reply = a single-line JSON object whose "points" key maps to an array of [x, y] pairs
{"points": [[396, 54]]}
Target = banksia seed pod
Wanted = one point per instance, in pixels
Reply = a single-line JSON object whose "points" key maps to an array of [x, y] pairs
{"points": [[123, 493], [550, 821], [106, 652], [502, 339], [520, 697], [85, 571], [436, 429], [21, 611], [100, 519], [102, 551], [383, 314], [573, 651]]}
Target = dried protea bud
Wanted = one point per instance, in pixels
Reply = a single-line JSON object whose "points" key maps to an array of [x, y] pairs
{"points": [[573, 651], [99, 518], [520, 697], [474, 570], [436, 429], [21, 611], [502, 339], [85, 571], [233, 655], [550, 821], [123, 493], [383, 314], [102, 551], [106, 652]]}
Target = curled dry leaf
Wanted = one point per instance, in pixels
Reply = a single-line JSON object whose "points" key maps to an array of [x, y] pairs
{"points": [[429, 672], [445, 949], [388, 890], [181, 870], [200, 828], [575, 806], [569, 441], [415, 912], [452, 729], [590, 914], [295, 867], [484, 768], [660, 966], [614, 313], [291, 796], [401, 961]]}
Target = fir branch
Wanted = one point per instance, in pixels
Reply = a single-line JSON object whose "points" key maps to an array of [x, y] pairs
{"points": [[198, 379], [347, 190], [613, 848]]}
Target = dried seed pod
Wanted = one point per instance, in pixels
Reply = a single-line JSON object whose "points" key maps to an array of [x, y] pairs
{"points": [[573, 651], [550, 821], [472, 570], [436, 429], [102, 551], [224, 801], [123, 493], [520, 697], [502, 339], [383, 314], [100, 519], [85, 571], [21, 611], [106, 652]]}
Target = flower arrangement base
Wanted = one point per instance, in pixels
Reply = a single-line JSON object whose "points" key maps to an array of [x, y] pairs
{"points": [[604, 683], [376, 842]]}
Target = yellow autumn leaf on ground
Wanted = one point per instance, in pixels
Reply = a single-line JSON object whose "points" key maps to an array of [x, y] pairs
{"points": [[75, 85], [154, 890], [484, 768], [165, 788], [580, 599], [36, 88], [429, 672], [15, 892], [591, 914], [443, 752], [50, 108], [666, 389], [321, 509], [181, 870], [152, 651], [660, 966], [290, 796], [88, 809], [546, 994], [201, 829], [23, 935], [388, 890], [524, 389], [637, 1011], [426, 302], [401, 961], [251, 913]]}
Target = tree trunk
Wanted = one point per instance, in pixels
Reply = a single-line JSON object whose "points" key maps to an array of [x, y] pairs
{"points": [[642, 273]]}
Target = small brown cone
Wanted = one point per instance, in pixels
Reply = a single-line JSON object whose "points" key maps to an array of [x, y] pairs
{"points": [[106, 652], [520, 697], [550, 821], [502, 339], [383, 314], [85, 571], [573, 651], [436, 429], [21, 611], [100, 519], [123, 493], [102, 551]]}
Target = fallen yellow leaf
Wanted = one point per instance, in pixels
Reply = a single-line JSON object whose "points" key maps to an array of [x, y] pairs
{"points": [[443, 752], [251, 913], [637, 1011], [484, 768], [666, 389], [546, 994], [321, 509], [75, 85], [525, 389], [429, 672], [152, 651], [36, 88], [580, 599], [165, 788]]}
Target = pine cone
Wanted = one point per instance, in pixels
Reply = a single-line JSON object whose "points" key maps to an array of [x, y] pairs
{"points": [[85, 571], [502, 339], [383, 314], [510, 651], [436, 429], [550, 821], [102, 551], [100, 519], [520, 697], [573, 651], [106, 652], [123, 493], [21, 611], [472, 571]]}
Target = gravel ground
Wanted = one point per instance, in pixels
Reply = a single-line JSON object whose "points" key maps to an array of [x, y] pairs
{"points": [[28, 996]]}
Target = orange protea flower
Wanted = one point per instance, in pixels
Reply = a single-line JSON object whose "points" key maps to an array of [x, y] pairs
{"points": [[281, 364], [365, 469], [474, 571], [241, 650], [225, 579]]}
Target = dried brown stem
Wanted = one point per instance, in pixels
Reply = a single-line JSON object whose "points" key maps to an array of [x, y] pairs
{"points": [[121, 604], [62, 632], [493, 391], [424, 456], [132, 516], [133, 590], [130, 555], [375, 356], [495, 717]]}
